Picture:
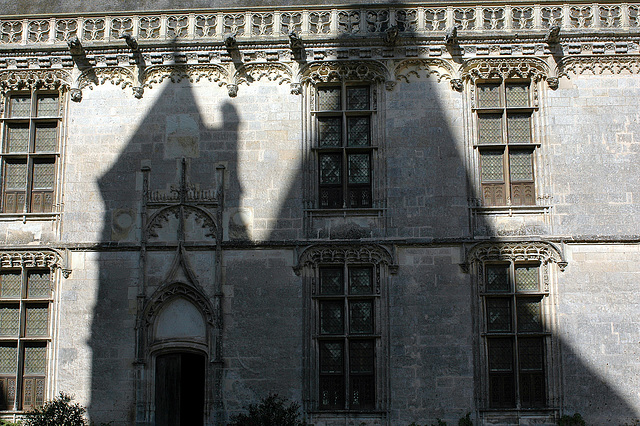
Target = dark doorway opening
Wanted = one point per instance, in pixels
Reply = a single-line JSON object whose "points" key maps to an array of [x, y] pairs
{"points": [[180, 389]]}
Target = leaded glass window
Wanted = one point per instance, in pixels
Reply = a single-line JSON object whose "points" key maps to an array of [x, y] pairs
{"points": [[505, 143], [514, 335], [29, 152], [343, 128], [25, 300], [347, 337]]}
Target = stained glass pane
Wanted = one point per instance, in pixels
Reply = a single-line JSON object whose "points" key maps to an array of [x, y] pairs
{"points": [[498, 314], [489, 96], [330, 169], [9, 320], [37, 321], [359, 171], [500, 354], [361, 359], [358, 131], [35, 359], [492, 166], [331, 317], [498, 278], [358, 98], [519, 128], [362, 391], [361, 317], [331, 357], [330, 131], [16, 176], [8, 360], [20, 106], [331, 281], [530, 353], [11, 283], [527, 278], [46, 137], [521, 165], [360, 281], [38, 284], [328, 98], [18, 137], [529, 317], [43, 175], [517, 95], [490, 129], [47, 105]]}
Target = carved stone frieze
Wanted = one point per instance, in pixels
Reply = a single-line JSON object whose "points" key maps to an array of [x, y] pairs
{"points": [[35, 259], [597, 65], [276, 72], [423, 68], [534, 251], [34, 79], [323, 72], [335, 253], [155, 75], [117, 76], [503, 68]]}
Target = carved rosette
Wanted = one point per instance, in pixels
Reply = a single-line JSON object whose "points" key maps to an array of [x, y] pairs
{"points": [[34, 79], [325, 72], [35, 259], [333, 254], [424, 68], [598, 65], [505, 68]]}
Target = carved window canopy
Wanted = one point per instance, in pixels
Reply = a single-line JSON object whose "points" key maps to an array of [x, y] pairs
{"points": [[44, 258], [534, 251]]}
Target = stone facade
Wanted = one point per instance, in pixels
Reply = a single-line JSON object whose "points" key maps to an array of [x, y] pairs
{"points": [[187, 237]]}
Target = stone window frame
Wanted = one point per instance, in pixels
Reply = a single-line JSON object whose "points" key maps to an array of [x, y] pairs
{"points": [[311, 261], [549, 260]]}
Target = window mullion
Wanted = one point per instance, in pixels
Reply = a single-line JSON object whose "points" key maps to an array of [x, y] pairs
{"points": [[347, 349]]}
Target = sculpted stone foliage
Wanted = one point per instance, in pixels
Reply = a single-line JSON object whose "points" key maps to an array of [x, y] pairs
{"points": [[35, 259], [118, 76], [276, 72], [174, 290], [516, 252], [597, 65], [34, 79], [193, 73], [324, 72], [159, 218], [423, 68], [504, 68], [366, 253]]}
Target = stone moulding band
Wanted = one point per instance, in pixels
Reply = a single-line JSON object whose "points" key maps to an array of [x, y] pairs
{"points": [[44, 258]]}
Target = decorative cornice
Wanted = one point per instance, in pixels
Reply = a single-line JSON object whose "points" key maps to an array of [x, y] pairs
{"points": [[335, 253], [534, 251], [598, 65], [46, 258]]}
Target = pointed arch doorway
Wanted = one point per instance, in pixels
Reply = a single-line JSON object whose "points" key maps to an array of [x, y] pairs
{"points": [[180, 389]]}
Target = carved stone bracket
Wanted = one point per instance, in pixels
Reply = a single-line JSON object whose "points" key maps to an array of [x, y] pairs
{"points": [[598, 65], [535, 251], [335, 253], [503, 68], [324, 72], [34, 79], [36, 259]]}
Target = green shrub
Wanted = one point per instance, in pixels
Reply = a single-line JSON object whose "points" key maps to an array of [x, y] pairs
{"points": [[575, 420], [271, 411], [466, 420], [59, 412], [8, 423]]}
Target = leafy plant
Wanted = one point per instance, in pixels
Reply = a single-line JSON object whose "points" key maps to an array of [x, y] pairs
{"points": [[59, 412], [271, 411], [8, 423], [575, 420], [466, 420]]}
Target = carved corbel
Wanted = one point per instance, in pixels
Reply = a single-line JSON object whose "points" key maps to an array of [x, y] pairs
{"points": [[233, 90], [553, 82], [389, 85], [456, 84], [296, 88], [138, 91], [76, 94]]}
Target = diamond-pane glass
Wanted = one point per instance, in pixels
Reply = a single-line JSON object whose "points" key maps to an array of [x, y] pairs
{"points": [[331, 281], [521, 165], [527, 278], [331, 357], [358, 131], [9, 320], [16, 176], [330, 169], [328, 98], [360, 281], [530, 353], [488, 95], [46, 137], [519, 128], [11, 283], [20, 106], [37, 321], [18, 137], [517, 95], [47, 106], [500, 354], [490, 129], [498, 314], [330, 131], [331, 317], [361, 317], [358, 98], [38, 284], [35, 359], [361, 360], [492, 166], [529, 318], [43, 175], [8, 360], [359, 171], [498, 278]]}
